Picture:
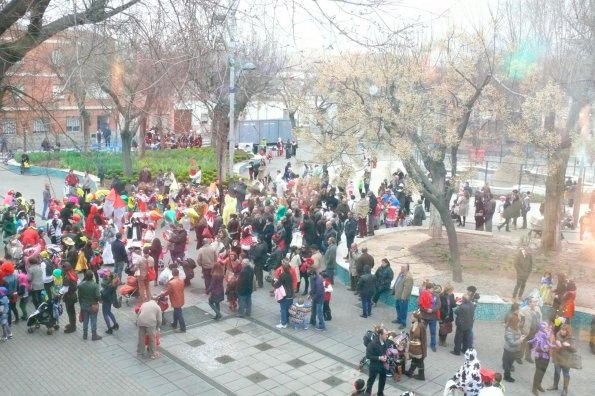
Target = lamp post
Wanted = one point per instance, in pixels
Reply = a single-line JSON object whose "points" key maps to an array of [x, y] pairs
{"points": [[232, 107]]}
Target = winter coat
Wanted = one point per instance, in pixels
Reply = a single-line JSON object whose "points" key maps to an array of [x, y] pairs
{"points": [[217, 294], [317, 289], [523, 264], [366, 285], [465, 315], [562, 355], [403, 286], [108, 291], [384, 276], [35, 276], [512, 339], [245, 283]]}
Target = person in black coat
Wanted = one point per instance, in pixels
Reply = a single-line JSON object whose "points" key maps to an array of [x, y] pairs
{"points": [[464, 334], [245, 287], [259, 255], [366, 287], [447, 304], [376, 353]]}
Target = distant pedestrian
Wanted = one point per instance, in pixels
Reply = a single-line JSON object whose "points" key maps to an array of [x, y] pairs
{"points": [[109, 284], [148, 320], [245, 286], [175, 291], [317, 298], [215, 289], [402, 291], [447, 302], [384, 276], [376, 353], [523, 264], [88, 295], [366, 288], [465, 315]]}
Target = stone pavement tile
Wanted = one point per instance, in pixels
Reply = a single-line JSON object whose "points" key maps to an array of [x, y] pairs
{"points": [[165, 388], [179, 374], [177, 392], [297, 386], [320, 386], [323, 363], [254, 389], [297, 374], [319, 375], [155, 381], [246, 369], [226, 377], [311, 357], [430, 389], [271, 372], [210, 392], [238, 384], [133, 370], [189, 381], [165, 370]]}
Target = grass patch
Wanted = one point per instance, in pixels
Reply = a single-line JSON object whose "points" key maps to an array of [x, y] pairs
{"points": [[179, 160]]}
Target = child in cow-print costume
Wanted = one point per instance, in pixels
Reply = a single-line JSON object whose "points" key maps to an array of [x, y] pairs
{"points": [[468, 378]]}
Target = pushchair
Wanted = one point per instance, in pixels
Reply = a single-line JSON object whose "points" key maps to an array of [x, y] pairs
{"points": [[47, 314], [129, 290]]}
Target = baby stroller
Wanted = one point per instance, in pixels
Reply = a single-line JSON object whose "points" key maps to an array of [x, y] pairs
{"points": [[47, 314], [129, 290]]}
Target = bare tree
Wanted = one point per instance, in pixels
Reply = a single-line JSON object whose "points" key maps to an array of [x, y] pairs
{"points": [[37, 16]]}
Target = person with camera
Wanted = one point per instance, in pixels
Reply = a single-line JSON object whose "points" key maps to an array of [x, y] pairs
{"points": [[376, 353]]}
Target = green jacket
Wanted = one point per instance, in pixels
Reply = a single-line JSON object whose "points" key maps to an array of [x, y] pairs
{"points": [[88, 292]]}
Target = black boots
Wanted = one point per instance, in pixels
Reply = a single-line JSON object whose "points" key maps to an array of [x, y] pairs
{"points": [[116, 326], [420, 375], [556, 382]]}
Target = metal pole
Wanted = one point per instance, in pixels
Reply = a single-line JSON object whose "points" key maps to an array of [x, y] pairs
{"points": [[232, 110], [521, 177], [485, 179]]}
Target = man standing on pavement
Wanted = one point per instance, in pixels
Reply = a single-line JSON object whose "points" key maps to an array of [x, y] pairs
{"points": [[365, 259], [330, 259], [376, 353], [245, 286], [464, 321], [350, 228], [526, 208], [148, 320], [120, 255], [259, 257], [207, 257], [317, 298], [47, 199], [402, 291], [144, 285], [489, 208], [353, 256], [175, 291], [429, 304], [372, 202], [530, 320], [88, 295], [318, 259], [178, 239], [69, 285], [342, 212], [523, 264]]}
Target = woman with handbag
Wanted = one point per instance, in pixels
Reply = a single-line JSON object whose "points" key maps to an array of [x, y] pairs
{"points": [[565, 357], [215, 290], [88, 295], [109, 298], [447, 303], [284, 297], [418, 346]]}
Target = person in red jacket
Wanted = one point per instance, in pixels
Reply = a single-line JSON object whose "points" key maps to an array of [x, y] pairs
{"points": [[29, 236], [328, 289], [429, 304]]}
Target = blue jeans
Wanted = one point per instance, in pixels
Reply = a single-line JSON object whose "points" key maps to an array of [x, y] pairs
{"points": [[402, 306], [86, 317], [317, 312], [118, 268], [245, 305], [432, 324], [367, 305], [285, 304], [565, 371], [46, 206], [179, 317], [106, 309]]}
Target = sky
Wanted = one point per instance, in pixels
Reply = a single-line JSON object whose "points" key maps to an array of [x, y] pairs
{"points": [[301, 26]]}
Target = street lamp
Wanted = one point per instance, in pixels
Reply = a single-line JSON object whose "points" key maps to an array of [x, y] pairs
{"points": [[232, 106]]}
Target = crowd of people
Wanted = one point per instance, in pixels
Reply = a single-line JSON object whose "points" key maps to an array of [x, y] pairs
{"points": [[284, 233]]}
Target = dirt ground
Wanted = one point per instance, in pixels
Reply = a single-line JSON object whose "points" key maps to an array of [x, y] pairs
{"points": [[487, 262]]}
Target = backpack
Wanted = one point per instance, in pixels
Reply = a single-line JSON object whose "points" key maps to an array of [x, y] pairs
{"points": [[151, 275], [49, 268], [369, 337]]}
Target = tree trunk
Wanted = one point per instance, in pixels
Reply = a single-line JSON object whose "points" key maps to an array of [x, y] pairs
{"points": [[86, 124], [126, 150], [554, 184], [219, 133], [292, 119], [141, 136]]}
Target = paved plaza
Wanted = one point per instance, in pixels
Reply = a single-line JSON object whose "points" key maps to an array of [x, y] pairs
{"points": [[236, 356]]}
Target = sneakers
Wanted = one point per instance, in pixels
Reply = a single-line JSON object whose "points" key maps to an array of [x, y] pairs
{"points": [[110, 330], [321, 328], [116, 326], [509, 379], [281, 326], [179, 331], [96, 337]]}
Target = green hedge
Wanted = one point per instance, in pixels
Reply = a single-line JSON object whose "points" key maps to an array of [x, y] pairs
{"points": [[179, 160]]}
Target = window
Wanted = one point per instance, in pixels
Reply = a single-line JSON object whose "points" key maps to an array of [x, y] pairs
{"points": [[57, 57], [41, 125], [9, 126], [94, 91], [57, 92], [73, 124]]}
